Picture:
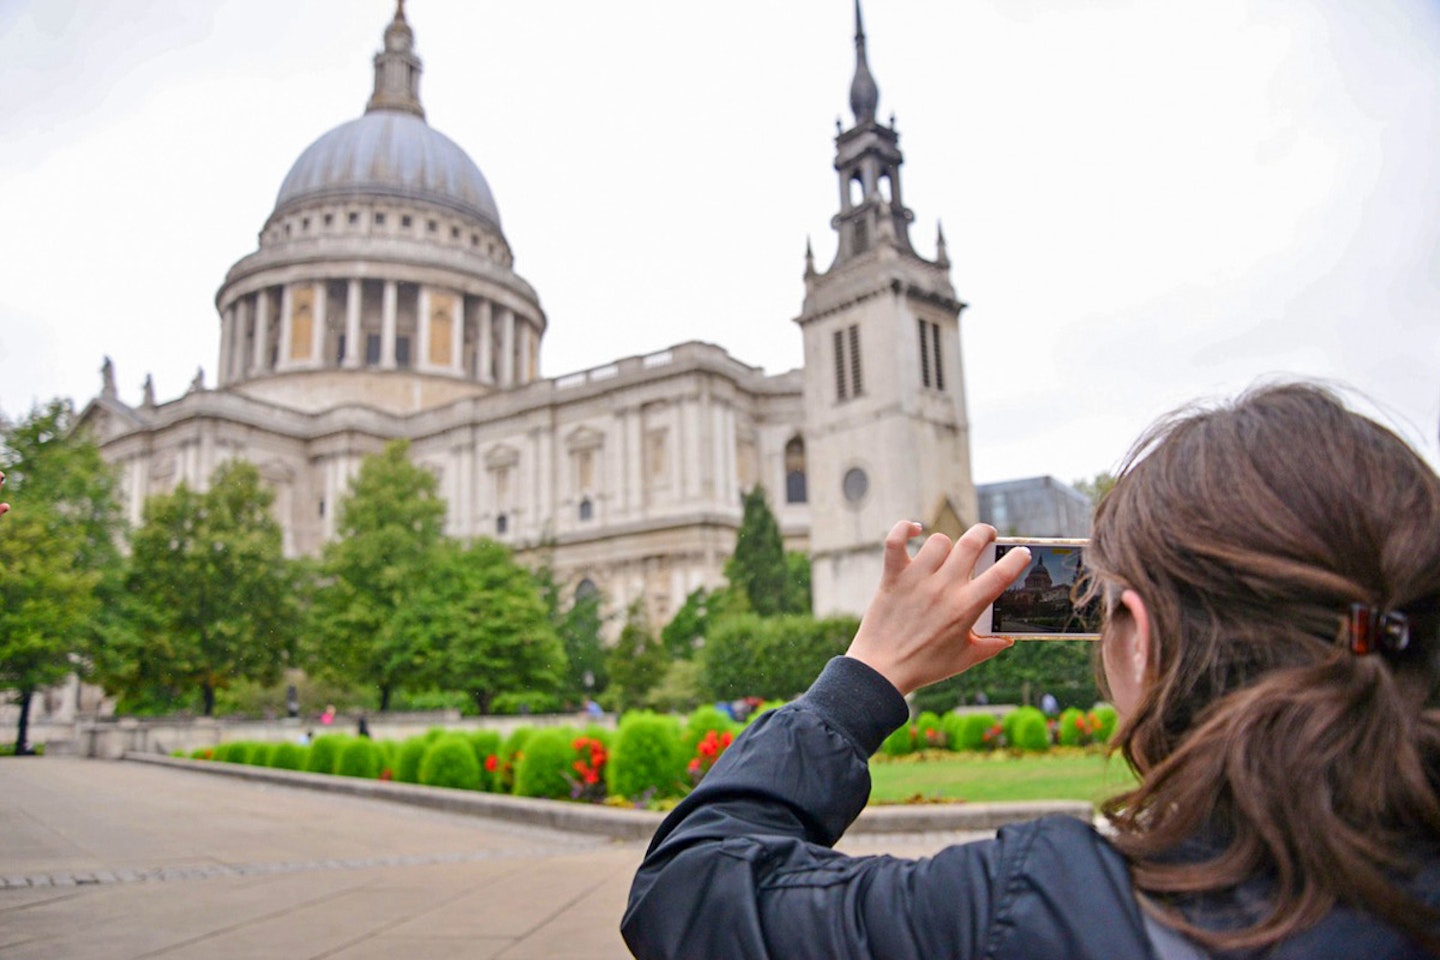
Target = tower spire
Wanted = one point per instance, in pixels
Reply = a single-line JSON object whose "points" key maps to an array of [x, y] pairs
{"points": [[397, 69], [864, 94]]}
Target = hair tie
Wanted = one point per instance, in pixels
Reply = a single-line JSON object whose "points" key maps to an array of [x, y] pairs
{"points": [[1374, 630]]}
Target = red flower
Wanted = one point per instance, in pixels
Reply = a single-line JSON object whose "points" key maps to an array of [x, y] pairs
{"points": [[492, 763]]}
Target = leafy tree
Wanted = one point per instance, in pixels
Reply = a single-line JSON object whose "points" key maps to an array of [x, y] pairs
{"points": [[757, 568], [637, 661], [68, 492], [389, 527], [1022, 675], [578, 625], [45, 601], [774, 657], [213, 591], [481, 617], [797, 582], [1096, 487], [686, 630]]}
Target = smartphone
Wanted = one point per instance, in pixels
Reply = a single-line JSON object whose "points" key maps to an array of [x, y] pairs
{"points": [[1039, 605]]}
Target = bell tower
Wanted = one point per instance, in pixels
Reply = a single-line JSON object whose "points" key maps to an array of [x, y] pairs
{"points": [[885, 427]]}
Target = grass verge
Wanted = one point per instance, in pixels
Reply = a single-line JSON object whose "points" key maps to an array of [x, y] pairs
{"points": [[938, 776]]}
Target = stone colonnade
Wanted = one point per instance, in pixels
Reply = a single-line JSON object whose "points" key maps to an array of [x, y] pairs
{"points": [[377, 324]]}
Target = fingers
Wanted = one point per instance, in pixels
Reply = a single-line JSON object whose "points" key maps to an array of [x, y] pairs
{"points": [[897, 553], [968, 549], [933, 553], [1006, 571]]}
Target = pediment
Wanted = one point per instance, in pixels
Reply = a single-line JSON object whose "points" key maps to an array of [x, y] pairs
{"points": [[584, 438]]}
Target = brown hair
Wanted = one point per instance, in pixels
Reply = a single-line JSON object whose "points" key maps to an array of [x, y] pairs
{"points": [[1249, 531]]}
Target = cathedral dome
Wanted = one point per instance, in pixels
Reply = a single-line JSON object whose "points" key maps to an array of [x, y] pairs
{"points": [[394, 154]]}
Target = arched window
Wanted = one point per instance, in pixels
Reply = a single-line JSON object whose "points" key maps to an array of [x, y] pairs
{"points": [[587, 510], [586, 589], [502, 524], [795, 487], [857, 190]]}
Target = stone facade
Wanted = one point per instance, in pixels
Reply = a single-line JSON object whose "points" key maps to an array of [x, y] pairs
{"points": [[382, 303]]}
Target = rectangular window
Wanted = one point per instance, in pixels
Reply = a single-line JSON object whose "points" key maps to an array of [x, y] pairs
{"points": [[840, 393], [939, 365], [402, 351], [340, 349], [857, 383], [924, 353], [372, 349]]}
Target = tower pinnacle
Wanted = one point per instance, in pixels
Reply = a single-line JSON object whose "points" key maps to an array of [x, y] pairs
{"points": [[397, 69], [864, 94]]}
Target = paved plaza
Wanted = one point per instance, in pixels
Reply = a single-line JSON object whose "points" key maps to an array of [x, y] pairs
{"points": [[115, 860]]}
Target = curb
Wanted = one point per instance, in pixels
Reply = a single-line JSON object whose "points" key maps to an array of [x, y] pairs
{"points": [[613, 822]]}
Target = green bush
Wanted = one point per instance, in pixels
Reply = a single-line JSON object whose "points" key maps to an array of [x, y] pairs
{"points": [[549, 759], [487, 746], [324, 753], [288, 756], [361, 757], [1108, 718], [700, 722], [239, 752], [260, 754], [966, 731], [435, 733], [450, 763], [647, 758], [511, 752], [1031, 732], [409, 757], [901, 742], [1009, 722], [1071, 729], [929, 732], [202, 753]]}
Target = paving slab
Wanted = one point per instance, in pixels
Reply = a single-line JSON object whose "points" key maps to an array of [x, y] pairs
{"points": [[123, 861]]}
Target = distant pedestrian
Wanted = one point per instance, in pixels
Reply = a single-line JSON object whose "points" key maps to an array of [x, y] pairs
{"points": [[1048, 705], [328, 717], [362, 728]]}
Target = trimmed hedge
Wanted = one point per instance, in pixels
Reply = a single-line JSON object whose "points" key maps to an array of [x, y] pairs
{"points": [[288, 756], [1030, 732], [701, 721], [966, 731], [1108, 718], [546, 766], [361, 757], [409, 757], [901, 742], [929, 732], [487, 744], [324, 753], [647, 758], [260, 754], [450, 763]]}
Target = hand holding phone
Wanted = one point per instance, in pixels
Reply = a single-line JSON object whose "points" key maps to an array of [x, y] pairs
{"points": [[918, 629], [1039, 604]]}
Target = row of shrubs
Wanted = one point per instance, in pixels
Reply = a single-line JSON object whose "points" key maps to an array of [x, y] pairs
{"points": [[1024, 728], [649, 757]]}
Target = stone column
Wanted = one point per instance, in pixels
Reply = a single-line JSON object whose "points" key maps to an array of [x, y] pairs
{"points": [[485, 333], [244, 313], [457, 334], [227, 345], [354, 349], [320, 325], [262, 324], [287, 306], [421, 359], [387, 326], [507, 356]]}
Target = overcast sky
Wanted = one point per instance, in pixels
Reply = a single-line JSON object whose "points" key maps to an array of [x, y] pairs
{"points": [[1145, 202]]}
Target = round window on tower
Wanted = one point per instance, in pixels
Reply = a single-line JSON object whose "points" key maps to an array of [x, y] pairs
{"points": [[855, 485]]}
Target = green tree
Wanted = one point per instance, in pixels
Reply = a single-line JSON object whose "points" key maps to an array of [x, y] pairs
{"points": [[213, 590], [637, 661], [389, 533], [758, 568], [61, 482], [45, 602], [1096, 487], [482, 616], [578, 624], [685, 633], [797, 582]]}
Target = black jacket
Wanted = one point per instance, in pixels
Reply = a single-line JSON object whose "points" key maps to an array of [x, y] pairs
{"points": [[743, 867]]}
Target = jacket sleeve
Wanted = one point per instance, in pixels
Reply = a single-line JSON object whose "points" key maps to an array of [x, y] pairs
{"points": [[743, 867]]}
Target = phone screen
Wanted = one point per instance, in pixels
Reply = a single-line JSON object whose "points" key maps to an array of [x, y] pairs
{"points": [[1039, 603]]}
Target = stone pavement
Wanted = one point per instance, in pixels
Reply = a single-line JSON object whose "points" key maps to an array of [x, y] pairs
{"points": [[121, 861]]}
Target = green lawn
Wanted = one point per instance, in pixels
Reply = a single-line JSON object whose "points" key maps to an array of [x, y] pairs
{"points": [[988, 777]]}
